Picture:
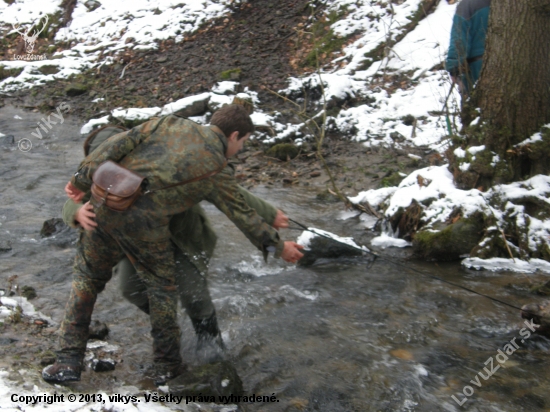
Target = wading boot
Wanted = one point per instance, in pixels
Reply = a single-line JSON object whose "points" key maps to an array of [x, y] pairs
{"points": [[209, 339], [66, 368], [164, 372]]}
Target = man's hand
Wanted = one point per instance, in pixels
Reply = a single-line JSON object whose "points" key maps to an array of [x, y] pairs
{"points": [[85, 216], [74, 194], [291, 252], [281, 221]]}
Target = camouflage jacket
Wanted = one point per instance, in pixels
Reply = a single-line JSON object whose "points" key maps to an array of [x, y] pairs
{"points": [[191, 230], [169, 150]]}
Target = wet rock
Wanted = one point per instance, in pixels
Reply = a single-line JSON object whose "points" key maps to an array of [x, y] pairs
{"points": [[103, 365], [49, 69], [5, 246], [47, 360], [7, 140], [329, 399], [214, 379], [530, 402], [52, 226], [98, 330], [402, 354], [283, 151], [543, 290], [327, 196], [28, 292], [91, 5], [450, 243], [322, 247], [539, 313], [75, 89], [7, 341]]}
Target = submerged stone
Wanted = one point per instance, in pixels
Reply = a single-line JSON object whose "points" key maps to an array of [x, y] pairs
{"points": [[539, 314], [75, 89], [7, 140], [52, 226], [100, 365], [98, 330], [213, 379], [5, 245], [28, 292], [543, 289]]}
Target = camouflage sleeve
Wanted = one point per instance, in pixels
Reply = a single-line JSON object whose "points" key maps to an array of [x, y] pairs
{"points": [[226, 196], [69, 211], [264, 209], [114, 148]]}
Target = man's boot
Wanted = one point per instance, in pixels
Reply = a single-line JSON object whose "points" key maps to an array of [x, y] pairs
{"points": [[165, 372], [145, 308], [209, 338], [67, 368]]}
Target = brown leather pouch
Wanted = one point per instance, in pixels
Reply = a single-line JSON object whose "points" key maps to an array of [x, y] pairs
{"points": [[115, 186]]}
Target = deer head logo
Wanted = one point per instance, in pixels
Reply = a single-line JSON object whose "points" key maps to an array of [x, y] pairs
{"points": [[31, 39]]}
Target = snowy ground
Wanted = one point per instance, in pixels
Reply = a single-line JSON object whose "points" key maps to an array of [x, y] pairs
{"points": [[113, 26]]}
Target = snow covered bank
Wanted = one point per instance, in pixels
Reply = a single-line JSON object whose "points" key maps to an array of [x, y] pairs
{"points": [[98, 28], [506, 209]]}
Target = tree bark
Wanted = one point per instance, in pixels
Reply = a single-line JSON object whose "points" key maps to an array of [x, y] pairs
{"points": [[513, 92]]}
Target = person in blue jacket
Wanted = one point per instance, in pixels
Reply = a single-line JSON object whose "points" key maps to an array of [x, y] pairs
{"points": [[464, 58]]}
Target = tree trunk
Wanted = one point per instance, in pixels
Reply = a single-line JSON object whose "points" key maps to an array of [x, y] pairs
{"points": [[513, 92]]}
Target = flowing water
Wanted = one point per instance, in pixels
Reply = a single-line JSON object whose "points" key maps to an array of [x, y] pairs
{"points": [[336, 336]]}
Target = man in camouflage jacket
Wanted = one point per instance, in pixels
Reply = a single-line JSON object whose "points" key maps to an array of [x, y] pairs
{"points": [[195, 239], [165, 151]]}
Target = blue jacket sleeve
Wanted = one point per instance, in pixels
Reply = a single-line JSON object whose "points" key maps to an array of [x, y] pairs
{"points": [[459, 45]]}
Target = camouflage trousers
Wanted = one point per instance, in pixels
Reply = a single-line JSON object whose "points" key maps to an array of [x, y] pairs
{"points": [[191, 285], [97, 252]]}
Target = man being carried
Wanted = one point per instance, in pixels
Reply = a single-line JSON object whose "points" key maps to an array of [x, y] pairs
{"points": [[195, 239], [165, 151]]}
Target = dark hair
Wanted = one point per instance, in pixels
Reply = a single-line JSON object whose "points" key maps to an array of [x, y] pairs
{"points": [[233, 118]]}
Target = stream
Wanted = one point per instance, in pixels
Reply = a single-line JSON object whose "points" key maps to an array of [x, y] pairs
{"points": [[341, 335]]}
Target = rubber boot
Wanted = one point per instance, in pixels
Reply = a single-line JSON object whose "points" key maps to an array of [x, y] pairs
{"points": [[209, 339], [67, 368]]}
